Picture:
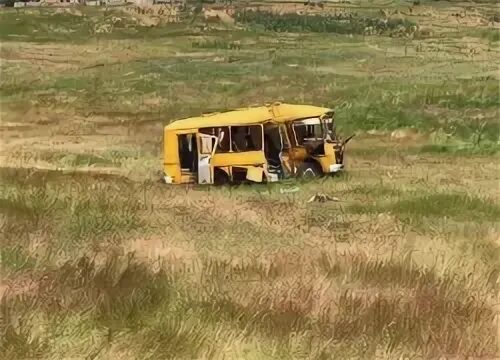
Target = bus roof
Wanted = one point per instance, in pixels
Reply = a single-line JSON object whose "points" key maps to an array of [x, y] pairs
{"points": [[249, 116]]}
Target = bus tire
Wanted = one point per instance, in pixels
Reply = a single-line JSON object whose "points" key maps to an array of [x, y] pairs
{"points": [[220, 177], [309, 170]]}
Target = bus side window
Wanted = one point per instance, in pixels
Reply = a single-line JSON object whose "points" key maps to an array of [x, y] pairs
{"points": [[300, 132], [255, 138], [239, 138], [225, 144], [246, 138], [215, 131]]}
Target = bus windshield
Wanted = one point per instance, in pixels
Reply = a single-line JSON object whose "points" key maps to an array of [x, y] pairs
{"points": [[312, 129]]}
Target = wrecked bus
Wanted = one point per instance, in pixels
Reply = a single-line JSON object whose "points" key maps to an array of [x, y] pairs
{"points": [[259, 144]]}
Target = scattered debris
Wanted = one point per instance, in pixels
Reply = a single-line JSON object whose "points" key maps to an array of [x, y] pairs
{"points": [[289, 190], [152, 14], [103, 28], [218, 15], [375, 132], [116, 19], [319, 197], [404, 133]]}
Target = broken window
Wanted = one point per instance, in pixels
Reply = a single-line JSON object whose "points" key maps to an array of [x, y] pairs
{"points": [[208, 131], [308, 130], [272, 144], [239, 138], [256, 137], [284, 139], [332, 128], [300, 133], [224, 145], [206, 144], [246, 138]]}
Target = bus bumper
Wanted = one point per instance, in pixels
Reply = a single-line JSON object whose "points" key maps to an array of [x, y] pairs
{"points": [[336, 168], [167, 179]]}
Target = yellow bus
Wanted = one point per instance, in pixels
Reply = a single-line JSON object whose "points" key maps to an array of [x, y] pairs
{"points": [[258, 144]]}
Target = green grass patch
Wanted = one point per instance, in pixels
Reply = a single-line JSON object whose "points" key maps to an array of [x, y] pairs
{"points": [[379, 190], [81, 159], [380, 117], [457, 206], [463, 207], [15, 258], [79, 25], [112, 158], [71, 212], [453, 148], [340, 24], [99, 214], [492, 35], [30, 204], [461, 150], [42, 25], [216, 44]]}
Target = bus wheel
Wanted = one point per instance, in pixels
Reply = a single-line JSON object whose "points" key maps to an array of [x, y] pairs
{"points": [[220, 177], [309, 170]]}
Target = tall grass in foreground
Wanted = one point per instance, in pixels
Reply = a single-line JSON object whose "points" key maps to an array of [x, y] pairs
{"points": [[164, 314], [61, 214], [293, 302]]}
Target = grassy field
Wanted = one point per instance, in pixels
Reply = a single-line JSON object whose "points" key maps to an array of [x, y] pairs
{"points": [[98, 260]]}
